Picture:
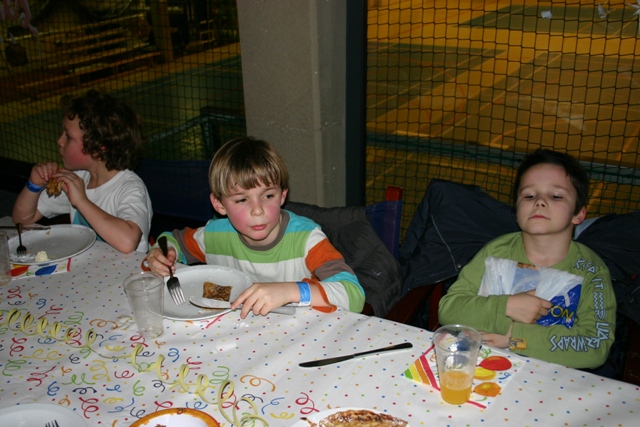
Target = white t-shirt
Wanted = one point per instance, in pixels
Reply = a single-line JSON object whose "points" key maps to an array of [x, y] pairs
{"points": [[124, 196]]}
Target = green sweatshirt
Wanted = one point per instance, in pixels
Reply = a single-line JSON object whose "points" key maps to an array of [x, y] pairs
{"points": [[585, 345]]}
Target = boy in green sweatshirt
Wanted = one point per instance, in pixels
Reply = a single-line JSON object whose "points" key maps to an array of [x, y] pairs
{"points": [[550, 193]]}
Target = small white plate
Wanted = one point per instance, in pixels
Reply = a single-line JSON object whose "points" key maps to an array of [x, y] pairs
{"points": [[37, 414], [59, 242], [192, 281], [319, 416]]}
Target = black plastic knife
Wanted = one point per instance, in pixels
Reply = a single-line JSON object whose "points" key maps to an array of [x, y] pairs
{"points": [[329, 361]]}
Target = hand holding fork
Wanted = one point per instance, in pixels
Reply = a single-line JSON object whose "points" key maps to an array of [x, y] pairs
{"points": [[173, 284]]}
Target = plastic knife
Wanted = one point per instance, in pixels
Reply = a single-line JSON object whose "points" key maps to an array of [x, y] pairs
{"points": [[329, 361]]}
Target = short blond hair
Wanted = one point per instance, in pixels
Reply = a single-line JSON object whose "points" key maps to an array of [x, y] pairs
{"points": [[247, 162]]}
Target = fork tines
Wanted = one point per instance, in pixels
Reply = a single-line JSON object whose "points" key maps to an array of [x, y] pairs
{"points": [[53, 423], [175, 290], [21, 249]]}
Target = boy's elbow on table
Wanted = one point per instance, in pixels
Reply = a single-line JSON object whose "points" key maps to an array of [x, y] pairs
{"points": [[125, 246], [129, 243]]}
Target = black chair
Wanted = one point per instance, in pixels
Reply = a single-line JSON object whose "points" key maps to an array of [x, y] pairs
{"points": [[367, 237], [451, 224]]}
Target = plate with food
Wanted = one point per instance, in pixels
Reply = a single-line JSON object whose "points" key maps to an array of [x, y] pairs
{"points": [[353, 417], [35, 414], [177, 417], [209, 281], [54, 244]]}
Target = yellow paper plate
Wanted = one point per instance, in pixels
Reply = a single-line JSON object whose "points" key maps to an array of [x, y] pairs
{"points": [[177, 417]]}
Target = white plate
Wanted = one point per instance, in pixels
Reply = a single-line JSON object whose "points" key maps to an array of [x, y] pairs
{"points": [[192, 280], [59, 242], [37, 414], [319, 416]]}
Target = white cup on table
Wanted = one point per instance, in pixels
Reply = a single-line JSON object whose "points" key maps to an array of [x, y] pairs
{"points": [[5, 263], [145, 292]]}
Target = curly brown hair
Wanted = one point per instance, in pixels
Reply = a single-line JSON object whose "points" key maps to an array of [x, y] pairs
{"points": [[113, 131]]}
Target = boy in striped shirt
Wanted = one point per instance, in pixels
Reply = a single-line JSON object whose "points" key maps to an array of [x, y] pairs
{"points": [[287, 256]]}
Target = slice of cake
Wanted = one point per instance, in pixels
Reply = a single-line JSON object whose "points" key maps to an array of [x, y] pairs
{"points": [[213, 291]]}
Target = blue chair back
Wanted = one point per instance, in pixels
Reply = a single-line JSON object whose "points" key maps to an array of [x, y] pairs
{"points": [[385, 218], [178, 188]]}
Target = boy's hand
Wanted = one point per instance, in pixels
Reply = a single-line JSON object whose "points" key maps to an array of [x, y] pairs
{"points": [[42, 172], [261, 298], [495, 340], [526, 307], [160, 264], [73, 186]]}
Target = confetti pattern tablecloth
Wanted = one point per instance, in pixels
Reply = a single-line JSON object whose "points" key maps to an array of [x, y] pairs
{"points": [[68, 339]]}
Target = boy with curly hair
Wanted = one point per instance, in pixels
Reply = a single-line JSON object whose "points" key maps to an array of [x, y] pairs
{"points": [[101, 143]]}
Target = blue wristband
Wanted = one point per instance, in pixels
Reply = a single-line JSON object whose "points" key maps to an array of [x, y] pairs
{"points": [[305, 294], [32, 187]]}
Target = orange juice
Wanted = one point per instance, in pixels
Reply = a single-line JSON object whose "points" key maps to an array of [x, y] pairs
{"points": [[455, 387]]}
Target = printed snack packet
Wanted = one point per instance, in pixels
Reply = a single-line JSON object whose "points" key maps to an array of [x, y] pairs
{"points": [[508, 277]]}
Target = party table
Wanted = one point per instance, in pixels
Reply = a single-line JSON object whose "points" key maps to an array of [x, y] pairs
{"points": [[68, 339]]}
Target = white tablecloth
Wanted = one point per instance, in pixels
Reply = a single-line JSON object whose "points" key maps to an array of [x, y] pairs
{"points": [[97, 375]]}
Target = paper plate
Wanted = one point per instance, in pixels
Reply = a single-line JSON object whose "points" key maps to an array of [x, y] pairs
{"points": [[319, 416], [59, 242], [36, 414], [177, 417], [192, 280]]}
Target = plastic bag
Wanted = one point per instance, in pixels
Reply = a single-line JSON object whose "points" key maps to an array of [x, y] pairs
{"points": [[508, 277]]}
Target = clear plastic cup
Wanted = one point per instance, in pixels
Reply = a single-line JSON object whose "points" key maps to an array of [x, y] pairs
{"points": [[145, 292], [457, 348]]}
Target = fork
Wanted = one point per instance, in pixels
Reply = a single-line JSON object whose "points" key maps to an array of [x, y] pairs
{"points": [[173, 284], [21, 249], [53, 423]]}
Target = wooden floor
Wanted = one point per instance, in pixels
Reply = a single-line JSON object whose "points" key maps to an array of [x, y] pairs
{"points": [[501, 75], [455, 89]]}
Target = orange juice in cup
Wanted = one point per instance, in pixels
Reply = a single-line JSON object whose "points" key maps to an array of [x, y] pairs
{"points": [[457, 348], [455, 387]]}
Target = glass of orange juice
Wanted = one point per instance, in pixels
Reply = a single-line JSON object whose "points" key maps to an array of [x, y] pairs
{"points": [[457, 348]]}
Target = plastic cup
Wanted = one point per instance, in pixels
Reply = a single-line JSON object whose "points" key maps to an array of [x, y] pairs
{"points": [[145, 292], [457, 348], [5, 263]]}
